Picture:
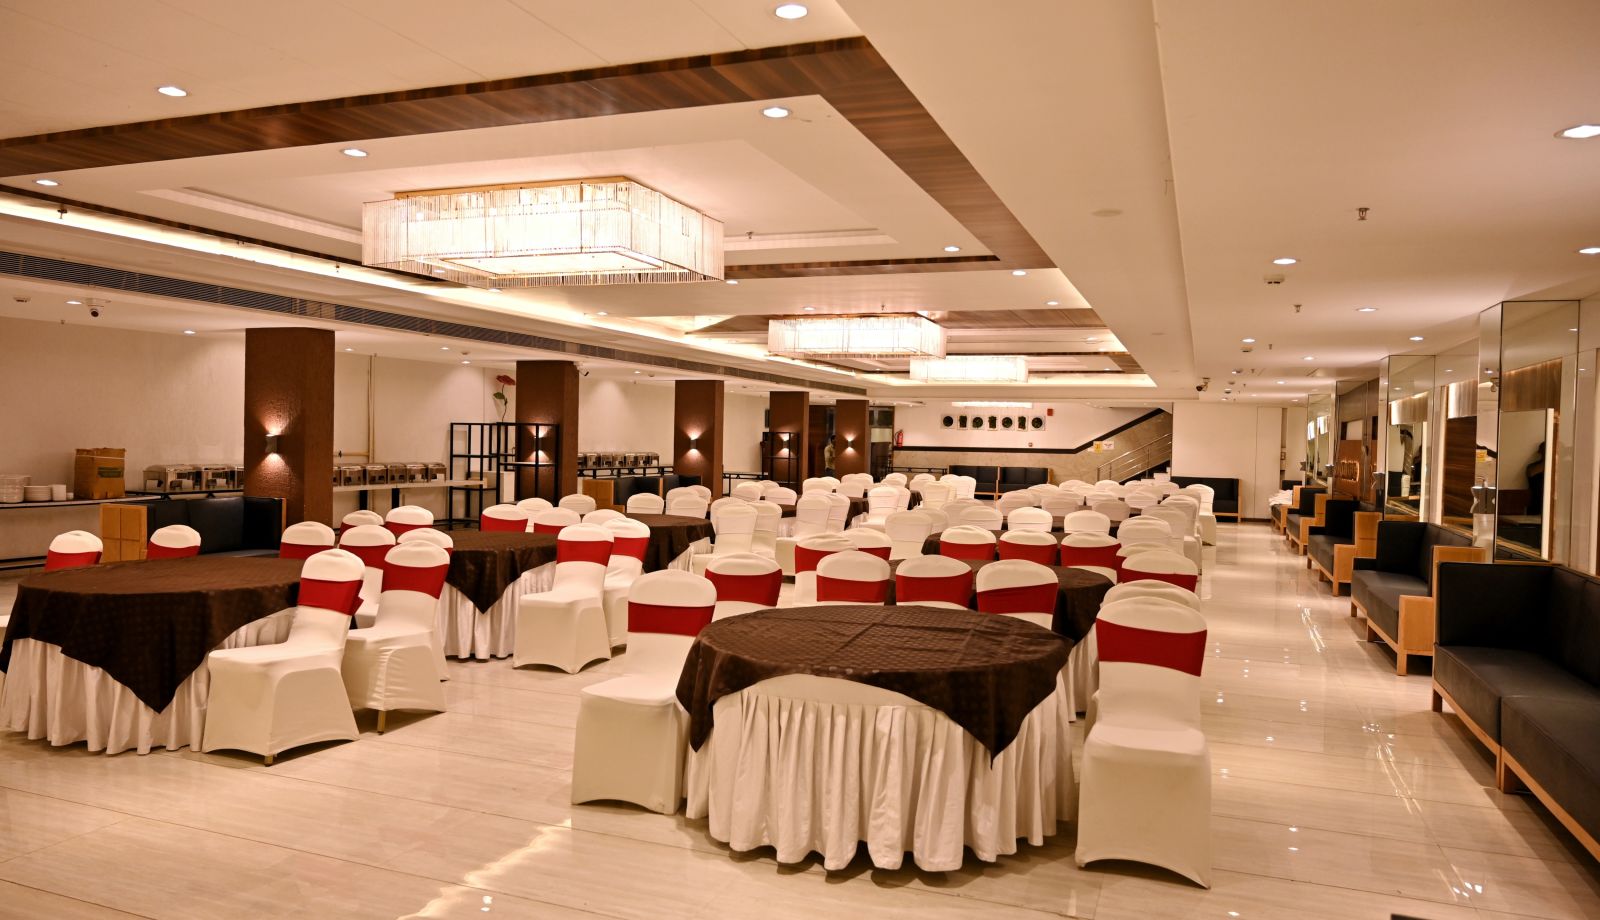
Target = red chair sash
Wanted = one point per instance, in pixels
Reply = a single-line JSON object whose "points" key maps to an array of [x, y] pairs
{"points": [[633, 547], [427, 580], [852, 590], [300, 550], [1103, 556], [596, 551], [370, 556], [551, 529], [1172, 578], [1020, 599], [1042, 553], [953, 589], [882, 552], [1184, 652], [806, 559], [751, 589], [980, 551], [338, 596], [54, 560], [667, 619], [157, 551], [490, 524], [397, 528]]}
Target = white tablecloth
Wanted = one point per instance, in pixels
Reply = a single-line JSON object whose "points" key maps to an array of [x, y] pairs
{"points": [[804, 776], [50, 696]]}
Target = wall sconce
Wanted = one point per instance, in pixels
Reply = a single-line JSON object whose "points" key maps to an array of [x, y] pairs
{"points": [[784, 435], [272, 444], [694, 442]]}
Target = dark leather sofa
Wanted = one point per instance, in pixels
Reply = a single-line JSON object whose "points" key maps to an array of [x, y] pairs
{"points": [[1225, 493], [1518, 659], [229, 525], [995, 480], [1393, 589], [1348, 530], [1306, 508], [625, 487]]}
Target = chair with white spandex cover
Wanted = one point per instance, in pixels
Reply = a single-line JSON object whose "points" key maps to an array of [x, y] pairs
{"points": [[810, 518], [815, 484], [1115, 509], [807, 554], [629, 541], [902, 498], [370, 543], [503, 519], [871, 542], [907, 530], [688, 504], [1140, 499], [407, 517], [1019, 588], [955, 506], [266, 699], [1149, 588], [583, 504], [646, 503], [534, 506], [1029, 518], [174, 541], [838, 511], [701, 491], [1043, 490], [1085, 657], [986, 516], [935, 495], [748, 491], [735, 527], [933, 581], [428, 535], [780, 495], [1011, 501], [1146, 790], [73, 549], [1096, 552], [880, 504], [1182, 522], [966, 542], [769, 517], [393, 664], [1164, 566], [1062, 503], [1086, 522], [1148, 530], [898, 480], [723, 502], [442, 615], [632, 732], [1031, 545], [966, 486], [852, 577], [554, 521], [305, 539], [937, 519], [565, 627], [358, 518], [853, 488], [745, 583], [600, 516], [921, 477]]}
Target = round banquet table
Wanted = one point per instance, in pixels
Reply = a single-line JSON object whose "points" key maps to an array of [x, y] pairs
{"points": [[489, 573], [1077, 601], [674, 539], [939, 730], [115, 654]]}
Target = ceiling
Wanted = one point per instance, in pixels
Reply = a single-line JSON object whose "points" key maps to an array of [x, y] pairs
{"points": [[1160, 156]]}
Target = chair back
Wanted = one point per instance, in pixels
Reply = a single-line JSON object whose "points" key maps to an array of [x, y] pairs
{"points": [[1020, 588], [1148, 588], [811, 514], [601, 516], [881, 500], [1030, 518], [898, 480], [413, 579], [816, 484], [428, 535], [1145, 529], [838, 511], [330, 592], [964, 541], [174, 541], [534, 506], [735, 527], [747, 491], [1043, 490], [554, 521], [302, 540], [358, 518], [1062, 503], [666, 610], [933, 581], [630, 540], [812, 550], [1174, 517], [1011, 501], [1138, 501], [1086, 522], [368, 542], [503, 519], [745, 582], [407, 517], [688, 505], [583, 551], [765, 538], [907, 531], [1032, 545], [73, 549], [922, 478], [780, 495], [852, 577], [583, 504], [1090, 549], [935, 495], [966, 486], [985, 516], [902, 498], [646, 503], [851, 488], [702, 491], [1162, 565], [1151, 653], [1114, 509], [870, 541]]}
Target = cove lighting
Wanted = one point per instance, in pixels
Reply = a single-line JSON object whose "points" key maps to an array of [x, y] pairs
{"points": [[970, 369], [791, 11], [991, 404], [176, 92], [1284, 261], [1580, 132], [874, 335], [47, 183], [775, 111]]}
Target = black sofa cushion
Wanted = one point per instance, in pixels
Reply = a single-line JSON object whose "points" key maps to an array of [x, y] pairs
{"points": [[1023, 476], [1569, 631], [1557, 743], [220, 522], [1406, 548], [1379, 595], [1478, 678], [1224, 489], [1321, 547], [228, 524]]}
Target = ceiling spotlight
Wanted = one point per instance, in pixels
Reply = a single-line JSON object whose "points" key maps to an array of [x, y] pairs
{"points": [[791, 11], [1091, 338], [1309, 358], [349, 349], [1572, 330], [952, 249], [438, 271], [1248, 341], [494, 290], [188, 332], [1580, 132], [1366, 309], [1590, 251], [1284, 261], [1416, 338], [444, 347], [75, 303], [356, 152], [1017, 272], [731, 281], [176, 92], [601, 313], [809, 309], [775, 111], [636, 372], [1052, 303], [466, 362], [1280, 383], [47, 183]]}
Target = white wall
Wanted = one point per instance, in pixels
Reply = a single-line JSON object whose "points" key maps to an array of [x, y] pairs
{"points": [[1220, 439], [1072, 424], [1294, 442], [743, 421], [637, 415]]}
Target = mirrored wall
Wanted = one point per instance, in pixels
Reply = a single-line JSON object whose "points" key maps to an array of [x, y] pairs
{"points": [[1455, 415], [1408, 432], [1320, 428]]}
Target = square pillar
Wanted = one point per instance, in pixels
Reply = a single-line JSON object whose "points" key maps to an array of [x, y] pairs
{"points": [[790, 413], [852, 438], [697, 431], [288, 393], [547, 393]]}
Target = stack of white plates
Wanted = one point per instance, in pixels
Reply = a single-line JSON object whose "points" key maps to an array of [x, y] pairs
{"points": [[35, 493]]}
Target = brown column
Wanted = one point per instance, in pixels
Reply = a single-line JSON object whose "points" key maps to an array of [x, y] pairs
{"points": [[852, 438], [790, 413], [547, 393], [288, 392], [697, 431]]}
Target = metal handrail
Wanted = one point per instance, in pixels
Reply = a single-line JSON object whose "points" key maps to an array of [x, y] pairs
{"points": [[1136, 461]]}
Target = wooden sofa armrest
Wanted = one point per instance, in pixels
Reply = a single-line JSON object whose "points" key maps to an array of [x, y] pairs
{"points": [[1367, 534], [1455, 554], [1318, 518]]}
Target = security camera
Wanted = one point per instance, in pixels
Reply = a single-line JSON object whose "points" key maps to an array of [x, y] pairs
{"points": [[94, 312]]}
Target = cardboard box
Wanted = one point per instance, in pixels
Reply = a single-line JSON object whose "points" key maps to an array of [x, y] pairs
{"points": [[97, 472]]}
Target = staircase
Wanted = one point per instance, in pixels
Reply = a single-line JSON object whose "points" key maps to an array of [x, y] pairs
{"points": [[1143, 459]]}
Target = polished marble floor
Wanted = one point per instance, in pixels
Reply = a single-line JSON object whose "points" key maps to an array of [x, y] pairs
{"points": [[1337, 795]]}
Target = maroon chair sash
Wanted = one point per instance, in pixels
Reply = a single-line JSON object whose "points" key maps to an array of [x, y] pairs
{"points": [[1184, 652], [54, 560], [1104, 557], [338, 596], [750, 589], [397, 528], [882, 552], [1044, 554], [984, 552], [1172, 578], [632, 547], [596, 551], [370, 556], [157, 551], [852, 591], [806, 559], [427, 579], [489, 524], [952, 589], [551, 529], [667, 619], [1019, 599], [300, 550]]}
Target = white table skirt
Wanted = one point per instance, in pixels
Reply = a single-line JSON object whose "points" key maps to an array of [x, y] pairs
{"points": [[804, 776], [50, 696]]}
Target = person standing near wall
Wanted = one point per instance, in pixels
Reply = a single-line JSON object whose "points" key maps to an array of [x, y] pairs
{"points": [[827, 457]]}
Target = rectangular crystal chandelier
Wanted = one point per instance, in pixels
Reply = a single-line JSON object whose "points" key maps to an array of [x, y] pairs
{"points": [[584, 231], [971, 369], [878, 335]]}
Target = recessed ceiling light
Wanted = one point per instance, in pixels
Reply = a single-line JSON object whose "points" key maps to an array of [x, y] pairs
{"points": [[775, 111], [601, 313], [636, 372], [732, 281], [1572, 330], [809, 309], [438, 271], [47, 183], [177, 92], [1309, 358], [356, 152], [1018, 272], [444, 347], [952, 249], [75, 303], [1091, 338], [1052, 303], [349, 349], [466, 362], [1580, 132], [1284, 261], [1590, 251], [1416, 338], [494, 290], [188, 332], [1280, 383], [1248, 341], [1366, 309], [1448, 371], [791, 11]]}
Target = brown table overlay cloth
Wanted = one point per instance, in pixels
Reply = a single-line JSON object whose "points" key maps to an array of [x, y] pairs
{"points": [[670, 536], [985, 672], [857, 506], [149, 625], [1077, 602], [930, 546], [483, 565]]}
